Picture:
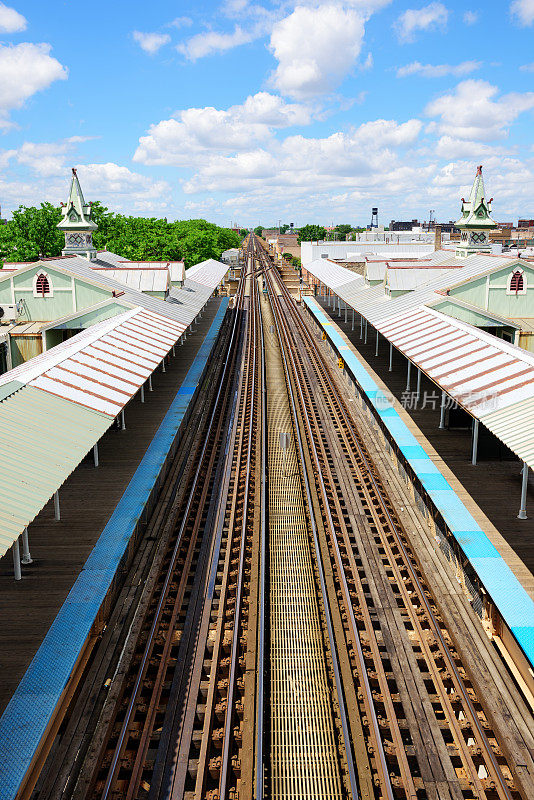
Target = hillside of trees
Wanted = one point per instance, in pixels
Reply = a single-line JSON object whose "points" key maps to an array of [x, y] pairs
{"points": [[32, 232]]}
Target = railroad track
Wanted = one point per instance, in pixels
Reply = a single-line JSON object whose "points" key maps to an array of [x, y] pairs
{"points": [[450, 749]]}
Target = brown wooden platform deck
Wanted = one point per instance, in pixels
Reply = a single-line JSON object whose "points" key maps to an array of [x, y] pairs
{"points": [[494, 484], [88, 498]]}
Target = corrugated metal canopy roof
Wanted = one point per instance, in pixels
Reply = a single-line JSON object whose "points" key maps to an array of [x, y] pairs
{"points": [[208, 273], [155, 279], [489, 377], [39, 457], [56, 406]]}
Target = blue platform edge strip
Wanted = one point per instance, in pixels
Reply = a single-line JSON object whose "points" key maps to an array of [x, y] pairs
{"points": [[29, 711], [513, 602]]}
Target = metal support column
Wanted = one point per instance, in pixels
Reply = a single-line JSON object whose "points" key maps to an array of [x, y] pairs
{"points": [[365, 340], [474, 451], [352, 328], [16, 560], [442, 412], [361, 327], [408, 375], [57, 509], [142, 391], [345, 313], [150, 383], [123, 421], [173, 351], [26, 557], [376, 351], [418, 383], [95, 454], [163, 365], [524, 484], [390, 357]]}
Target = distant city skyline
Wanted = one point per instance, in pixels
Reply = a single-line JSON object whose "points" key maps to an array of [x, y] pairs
{"points": [[309, 112]]}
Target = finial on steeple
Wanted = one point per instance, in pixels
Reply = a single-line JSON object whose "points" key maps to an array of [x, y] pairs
{"points": [[77, 223], [475, 222]]}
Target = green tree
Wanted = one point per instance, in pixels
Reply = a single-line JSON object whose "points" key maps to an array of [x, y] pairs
{"points": [[342, 230], [243, 232], [258, 231], [311, 233], [31, 233]]}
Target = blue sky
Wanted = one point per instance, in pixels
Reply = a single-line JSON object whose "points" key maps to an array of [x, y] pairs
{"points": [[254, 112]]}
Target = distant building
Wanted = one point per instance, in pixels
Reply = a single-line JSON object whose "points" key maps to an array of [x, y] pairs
{"points": [[404, 226], [525, 223]]}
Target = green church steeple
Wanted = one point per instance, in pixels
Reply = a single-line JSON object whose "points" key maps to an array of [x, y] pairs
{"points": [[77, 224], [475, 222]]}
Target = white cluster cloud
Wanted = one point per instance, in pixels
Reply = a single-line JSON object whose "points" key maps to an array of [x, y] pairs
{"points": [[44, 159], [474, 112], [10, 20], [151, 42], [413, 20], [523, 11], [24, 70], [303, 163], [186, 138], [438, 70], [205, 44], [315, 49]]}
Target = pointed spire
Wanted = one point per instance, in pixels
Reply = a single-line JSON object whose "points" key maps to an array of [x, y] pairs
{"points": [[475, 222], [77, 224]]}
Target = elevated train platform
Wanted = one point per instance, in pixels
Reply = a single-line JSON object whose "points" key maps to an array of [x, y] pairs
{"points": [[491, 557], [49, 614]]}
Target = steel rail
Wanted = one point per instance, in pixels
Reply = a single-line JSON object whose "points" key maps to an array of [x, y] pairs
{"points": [[225, 765], [474, 720], [262, 589], [329, 625], [108, 787]]}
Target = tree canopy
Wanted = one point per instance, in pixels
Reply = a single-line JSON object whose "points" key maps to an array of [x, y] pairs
{"points": [[311, 233], [32, 233], [258, 231]]}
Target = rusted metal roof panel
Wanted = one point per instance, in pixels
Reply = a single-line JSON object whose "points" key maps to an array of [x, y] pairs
{"points": [[103, 367]]}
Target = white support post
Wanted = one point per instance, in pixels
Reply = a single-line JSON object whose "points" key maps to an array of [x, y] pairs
{"points": [[163, 365], [524, 484], [339, 306], [474, 451], [173, 351], [123, 421], [26, 557], [142, 393], [390, 357], [57, 509], [345, 313], [376, 351], [408, 375], [361, 327], [16, 560], [352, 328], [418, 383], [95, 454], [442, 412], [365, 340], [150, 383]]}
